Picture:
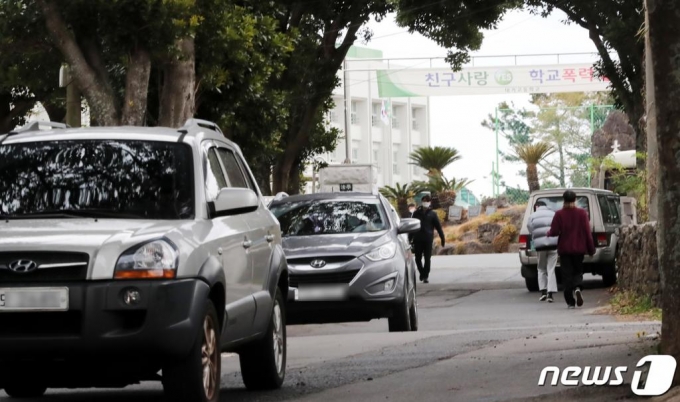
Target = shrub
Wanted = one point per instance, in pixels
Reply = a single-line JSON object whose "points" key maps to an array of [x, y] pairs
{"points": [[497, 217], [469, 227], [441, 214], [452, 237], [510, 232], [500, 244], [460, 248]]}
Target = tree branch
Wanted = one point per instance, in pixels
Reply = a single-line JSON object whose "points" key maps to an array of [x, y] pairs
{"points": [[101, 101]]}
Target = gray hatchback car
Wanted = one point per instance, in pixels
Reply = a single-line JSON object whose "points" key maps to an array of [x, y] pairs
{"points": [[349, 259]]}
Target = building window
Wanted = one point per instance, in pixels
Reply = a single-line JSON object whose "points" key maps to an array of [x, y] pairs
{"points": [[354, 116], [355, 154], [395, 161], [375, 114], [414, 119], [332, 116], [376, 156]]}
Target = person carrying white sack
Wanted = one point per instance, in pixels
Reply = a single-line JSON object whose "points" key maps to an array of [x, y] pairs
{"points": [[539, 225]]}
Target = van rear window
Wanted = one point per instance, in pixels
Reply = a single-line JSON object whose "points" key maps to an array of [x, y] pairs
{"points": [[557, 202]]}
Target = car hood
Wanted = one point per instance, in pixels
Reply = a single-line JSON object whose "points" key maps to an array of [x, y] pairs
{"points": [[354, 244], [102, 239]]}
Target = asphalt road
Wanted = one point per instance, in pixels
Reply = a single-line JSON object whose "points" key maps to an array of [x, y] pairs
{"points": [[482, 337]]}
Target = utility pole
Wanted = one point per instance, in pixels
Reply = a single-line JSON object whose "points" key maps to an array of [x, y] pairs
{"points": [[348, 111], [73, 101]]}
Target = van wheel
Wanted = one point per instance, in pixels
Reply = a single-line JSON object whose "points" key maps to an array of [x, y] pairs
{"points": [[197, 377], [609, 275], [532, 284], [20, 390], [263, 363], [413, 311]]}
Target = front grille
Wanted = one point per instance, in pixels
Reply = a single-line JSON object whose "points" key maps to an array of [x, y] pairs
{"points": [[65, 267], [318, 278], [328, 260]]}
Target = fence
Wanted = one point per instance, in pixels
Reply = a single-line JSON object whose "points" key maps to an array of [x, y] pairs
{"points": [[570, 130]]}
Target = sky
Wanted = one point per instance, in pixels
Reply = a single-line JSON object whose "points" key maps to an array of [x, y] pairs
{"points": [[456, 120]]}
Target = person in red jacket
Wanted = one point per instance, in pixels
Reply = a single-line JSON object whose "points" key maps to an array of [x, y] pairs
{"points": [[572, 226]]}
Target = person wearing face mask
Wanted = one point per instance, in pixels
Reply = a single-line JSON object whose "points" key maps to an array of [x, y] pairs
{"points": [[423, 239]]}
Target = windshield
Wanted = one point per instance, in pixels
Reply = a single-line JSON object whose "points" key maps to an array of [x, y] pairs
{"points": [[102, 178], [330, 217], [556, 203]]}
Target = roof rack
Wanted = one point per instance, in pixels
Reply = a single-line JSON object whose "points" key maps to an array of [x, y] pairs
{"points": [[201, 123], [35, 126]]}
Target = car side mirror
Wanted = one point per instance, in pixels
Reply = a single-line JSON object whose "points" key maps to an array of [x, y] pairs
{"points": [[408, 225], [234, 201]]}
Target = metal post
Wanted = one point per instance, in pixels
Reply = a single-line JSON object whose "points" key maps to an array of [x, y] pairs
{"points": [[592, 133], [73, 101], [313, 177], [348, 111], [498, 190]]}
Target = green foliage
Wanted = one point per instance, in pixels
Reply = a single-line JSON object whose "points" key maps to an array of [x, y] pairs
{"points": [[510, 231], [434, 159], [516, 196], [441, 214], [513, 124], [453, 24], [631, 303], [625, 182]]}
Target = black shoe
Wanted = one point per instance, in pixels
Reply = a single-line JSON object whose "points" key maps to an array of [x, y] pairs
{"points": [[426, 280], [571, 306], [544, 297], [579, 297], [421, 277], [550, 299]]}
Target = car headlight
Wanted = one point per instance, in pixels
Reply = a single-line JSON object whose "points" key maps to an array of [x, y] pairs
{"points": [[384, 252], [155, 259]]}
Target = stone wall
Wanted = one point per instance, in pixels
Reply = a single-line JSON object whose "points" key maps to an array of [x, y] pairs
{"points": [[638, 262]]}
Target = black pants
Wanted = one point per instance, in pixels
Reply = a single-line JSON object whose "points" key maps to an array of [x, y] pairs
{"points": [[423, 248], [572, 275]]}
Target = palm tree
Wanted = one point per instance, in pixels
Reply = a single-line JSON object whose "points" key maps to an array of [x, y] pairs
{"points": [[532, 155], [434, 159], [400, 194]]}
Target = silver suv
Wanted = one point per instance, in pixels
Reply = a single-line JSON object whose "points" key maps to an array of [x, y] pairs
{"points": [[131, 254]]}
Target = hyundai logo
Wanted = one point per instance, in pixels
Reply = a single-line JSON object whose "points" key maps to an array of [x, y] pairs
{"points": [[23, 266], [318, 263]]}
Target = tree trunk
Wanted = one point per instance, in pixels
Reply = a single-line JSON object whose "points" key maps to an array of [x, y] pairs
{"points": [[562, 178], [402, 207], [179, 87], [664, 38], [532, 178], [652, 147], [136, 87], [294, 182], [102, 102]]}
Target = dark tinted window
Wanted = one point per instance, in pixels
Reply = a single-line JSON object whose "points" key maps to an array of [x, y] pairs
{"points": [[103, 178], [234, 173], [556, 203], [329, 217], [609, 206]]}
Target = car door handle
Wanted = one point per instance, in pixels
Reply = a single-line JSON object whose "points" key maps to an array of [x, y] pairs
{"points": [[247, 243], [269, 237]]}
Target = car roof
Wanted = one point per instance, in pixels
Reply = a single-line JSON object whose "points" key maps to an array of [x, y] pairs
{"points": [[560, 191], [192, 128], [324, 196]]}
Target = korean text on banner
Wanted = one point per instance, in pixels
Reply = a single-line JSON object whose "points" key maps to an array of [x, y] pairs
{"points": [[490, 80]]}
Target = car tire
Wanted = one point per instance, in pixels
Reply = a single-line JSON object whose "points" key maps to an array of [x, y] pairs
{"points": [[532, 284], [609, 275], [401, 316], [197, 377], [21, 390], [263, 363], [413, 311]]}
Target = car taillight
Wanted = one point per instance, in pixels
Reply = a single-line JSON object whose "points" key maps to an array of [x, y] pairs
{"points": [[601, 239], [523, 241]]}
